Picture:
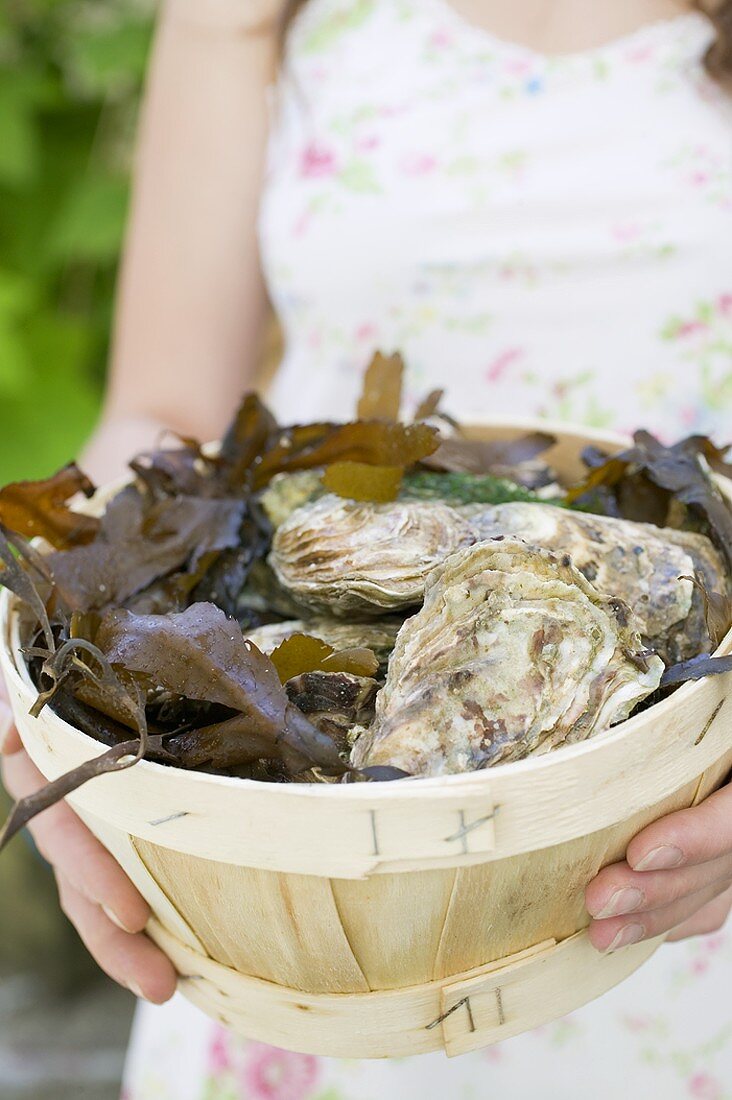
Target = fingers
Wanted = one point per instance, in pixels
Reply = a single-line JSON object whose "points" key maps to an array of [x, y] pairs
{"points": [[101, 902], [691, 836], [66, 843], [132, 960], [710, 918], [9, 740], [615, 932], [619, 889], [676, 876]]}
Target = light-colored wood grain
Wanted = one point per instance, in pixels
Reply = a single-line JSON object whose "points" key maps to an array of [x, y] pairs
{"points": [[394, 937], [122, 847], [281, 928], [528, 992], [540, 983], [343, 919], [498, 907]]}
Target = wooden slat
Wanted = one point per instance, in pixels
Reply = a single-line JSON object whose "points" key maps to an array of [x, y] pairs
{"points": [[496, 908], [525, 994], [281, 928], [394, 937], [538, 984]]}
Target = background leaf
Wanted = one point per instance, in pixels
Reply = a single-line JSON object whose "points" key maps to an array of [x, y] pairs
{"points": [[70, 77]]}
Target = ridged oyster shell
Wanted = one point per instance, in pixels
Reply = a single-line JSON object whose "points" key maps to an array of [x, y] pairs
{"points": [[513, 652], [637, 562], [342, 556]]}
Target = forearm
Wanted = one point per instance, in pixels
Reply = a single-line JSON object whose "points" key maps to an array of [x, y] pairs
{"points": [[116, 440], [191, 300]]}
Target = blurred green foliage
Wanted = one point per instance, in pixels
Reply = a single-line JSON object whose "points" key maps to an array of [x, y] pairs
{"points": [[70, 76]]}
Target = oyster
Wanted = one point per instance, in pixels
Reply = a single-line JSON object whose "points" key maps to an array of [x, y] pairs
{"points": [[514, 652], [379, 636], [263, 596], [286, 492], [342, 556], [335, 702], [637, 562]]}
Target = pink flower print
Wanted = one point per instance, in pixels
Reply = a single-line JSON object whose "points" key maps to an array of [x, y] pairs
{"points": [[302, 223], [626, 232], [519, 66], [273, 1074], [368, 142], [724, 305], [391, 111], [501, 364], [316, 161], [705, 1087], [691, 328], [699, 966], [366, 331], [699, 178], [640, 54], [637, 1023], [440, 39], [418, 164], [219, 1059]]}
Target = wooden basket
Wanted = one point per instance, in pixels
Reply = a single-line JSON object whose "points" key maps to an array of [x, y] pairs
{"points": [[383, 920]]}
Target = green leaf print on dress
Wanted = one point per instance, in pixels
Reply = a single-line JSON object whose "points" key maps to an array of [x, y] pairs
{"points": [[325, 33], [703, 339]]}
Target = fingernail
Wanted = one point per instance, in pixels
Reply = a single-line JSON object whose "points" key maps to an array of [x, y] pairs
{"points": [[661, 859], [630, 933], [622, 901], [115, 920], [134, 988]]}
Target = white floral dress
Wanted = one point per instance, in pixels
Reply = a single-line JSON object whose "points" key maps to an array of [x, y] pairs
{"points": [[539, 236]]}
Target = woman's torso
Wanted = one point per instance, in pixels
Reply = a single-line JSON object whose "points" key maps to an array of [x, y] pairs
{"points": [[537, 236], [543, 235]]}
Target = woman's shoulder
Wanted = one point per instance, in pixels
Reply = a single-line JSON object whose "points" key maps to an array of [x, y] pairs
{"points": [[238, 16]]}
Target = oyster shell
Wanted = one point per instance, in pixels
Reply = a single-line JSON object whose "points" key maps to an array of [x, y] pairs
{"points": [[342, 556], [637, 562], [335, 702], [286, 492], [514, 652], [376, 636]]}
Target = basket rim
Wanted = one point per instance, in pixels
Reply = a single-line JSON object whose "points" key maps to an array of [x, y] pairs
{"points": [[13, 664], [426, 784]]}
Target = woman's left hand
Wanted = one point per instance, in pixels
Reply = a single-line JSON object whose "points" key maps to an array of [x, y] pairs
{"points": [[677, 875]]}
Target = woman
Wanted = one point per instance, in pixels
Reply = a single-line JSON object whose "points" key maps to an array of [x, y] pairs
{"points": [[534, 203]]}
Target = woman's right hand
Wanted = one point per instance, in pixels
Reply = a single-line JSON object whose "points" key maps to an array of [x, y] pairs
{"points": [[96, 895], [191, 293]]}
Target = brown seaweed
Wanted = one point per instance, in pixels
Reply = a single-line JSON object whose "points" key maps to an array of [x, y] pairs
{"points": [[381, 396], [41, 508], [649, 480], [359, 481], [201, 655], [140, 542], [697, 668], [510, 458], [303, 653], [375, 442]]}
